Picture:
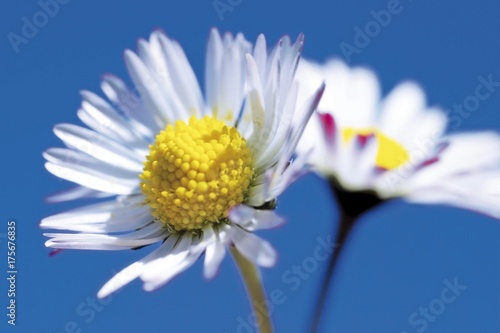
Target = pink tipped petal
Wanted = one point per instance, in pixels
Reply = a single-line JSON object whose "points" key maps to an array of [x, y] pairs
{"points": [[328, 123]]}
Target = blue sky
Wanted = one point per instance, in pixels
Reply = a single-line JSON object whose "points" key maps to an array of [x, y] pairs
{"points": [[400, 257]]}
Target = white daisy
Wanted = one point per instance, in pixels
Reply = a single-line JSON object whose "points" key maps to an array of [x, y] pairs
{"points": [[395, 146], [195, 174], [372, 149]]}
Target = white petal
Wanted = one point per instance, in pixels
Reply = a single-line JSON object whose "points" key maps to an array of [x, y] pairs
{"points": [[92, 179], [212, 67], [151, 93], [104, 217], [86, 171], [65, 156], [280, 180], [299, 125], [320, 142], [241, 214], [468, 152], [478, 202], [267, 219], [98, 146], [147, 235], [183, 79], [260, 54], [103, 118], [364, 166], [400, 107], [213, 257], [155, 282], [133, 271], [278, 133], [254, 219], [256, 103], [231, 86], [77, 192], [423, 134], [352, 94], [311, 75], [160, 271], [289, 59], [130, 104], [255, 249], [346, 163]]}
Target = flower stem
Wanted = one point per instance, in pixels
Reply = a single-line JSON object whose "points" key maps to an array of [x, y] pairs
{"points": [[352, 204], [253, 284], [345, 224]]}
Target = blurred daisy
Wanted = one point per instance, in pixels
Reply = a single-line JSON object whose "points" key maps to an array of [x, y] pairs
{"points": [[192, 173], [396, 146], [372, 149]]}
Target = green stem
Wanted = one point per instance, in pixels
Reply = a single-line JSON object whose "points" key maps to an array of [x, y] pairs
{"points": [[253, 284]]}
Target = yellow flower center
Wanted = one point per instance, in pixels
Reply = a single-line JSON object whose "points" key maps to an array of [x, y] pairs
{"points": [[195, 172], [391, 154]]}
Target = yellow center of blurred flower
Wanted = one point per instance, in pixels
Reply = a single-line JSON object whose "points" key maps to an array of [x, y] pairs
{"points": [[195, 172], [391, 154]]}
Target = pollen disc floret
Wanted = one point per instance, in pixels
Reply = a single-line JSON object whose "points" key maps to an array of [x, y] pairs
{"points": [[195, 172]]}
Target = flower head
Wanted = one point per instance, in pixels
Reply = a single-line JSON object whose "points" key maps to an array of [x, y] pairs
{"points": [[395, 146], [194, 173]]}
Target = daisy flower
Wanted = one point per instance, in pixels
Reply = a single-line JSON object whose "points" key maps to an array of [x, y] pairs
{"points": [[395, 146], [194, 173], [372, 149]]}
